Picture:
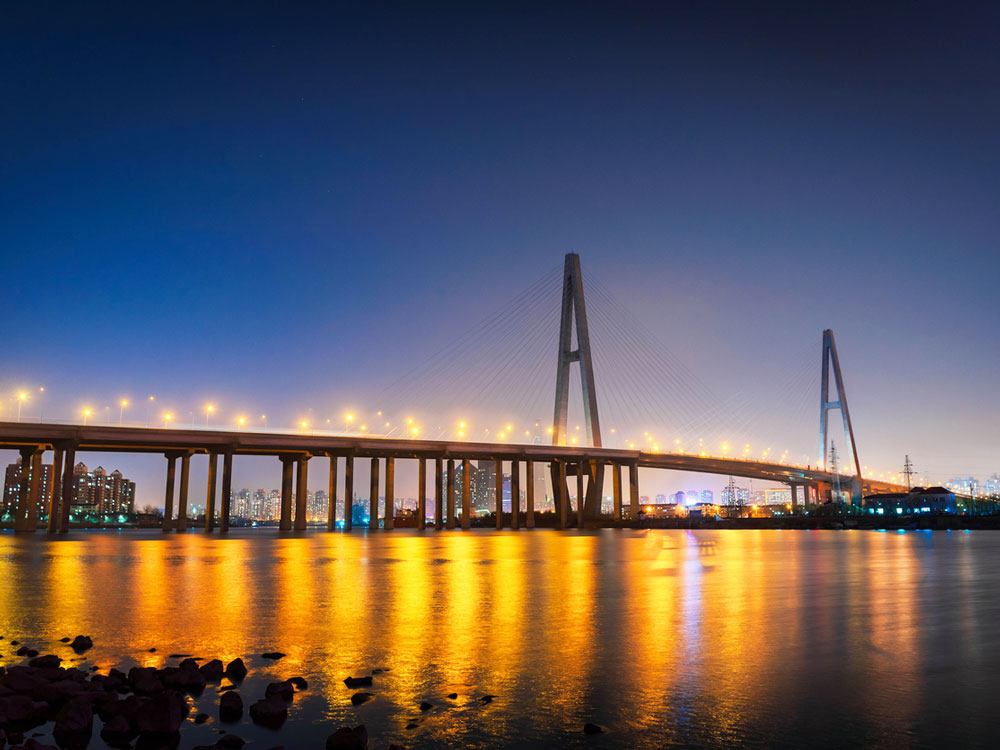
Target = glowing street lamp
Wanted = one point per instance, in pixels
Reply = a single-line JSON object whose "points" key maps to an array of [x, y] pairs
{"points": [[20, 400], [86, 413], [347, 422], [240, 422], [166, 419], [263, 418], [209, 408], [121, 410]]}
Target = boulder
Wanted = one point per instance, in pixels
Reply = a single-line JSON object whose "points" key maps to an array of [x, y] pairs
{"points": [[60, 691], [48, 661], [589, 728], [65, 639], [33, 744], [76, 716], [23, 651], [144, 681], [347, 738], [162, 714], [358, 698], [212, 671], [230, 707], [186, 677], [453, 696], [273, 655], [201, 718], [299, 683], [236, 670], [487, 698], [21, 679], [22, 709], [81, 643], [269, 712], [230, 742], [284, 689], [425, 706], [118, 731], [356, 682]]}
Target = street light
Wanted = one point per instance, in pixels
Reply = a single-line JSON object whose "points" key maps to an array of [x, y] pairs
{"points": [[240, 422], [166, 419], [208, 412], [121, 410], [20, 400], [149, 404], [347, 423], [263, 418], [86, 413]]}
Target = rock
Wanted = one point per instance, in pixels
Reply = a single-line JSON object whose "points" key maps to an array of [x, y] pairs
{"points": [[425, 706], [589, 728], [274, 655], [376, 671], [152, 650], [117, 731], [34, 744], [65, 639], [356, 682], [230, 707], [201, 718], [14, 643], [270, 712], [21, 679], [453, 696], [158, 741], [358, 698], [76, 716], [81, 643], [236, 670], [212, 670], [144, 681], [487, 698], [162, 714], [60, 691], [230, 742], [179, 656], [107, 706], [346, 738], [186, 677], [411, 725], [284, 689], [23, 651], [22, 709], [299, 683], [396, 747]]}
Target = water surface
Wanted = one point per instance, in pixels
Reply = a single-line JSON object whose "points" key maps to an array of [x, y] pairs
{"points": [[747, 638]]}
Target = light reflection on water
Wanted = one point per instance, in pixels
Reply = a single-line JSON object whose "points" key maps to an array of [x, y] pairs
{"points": [[711, 638]]}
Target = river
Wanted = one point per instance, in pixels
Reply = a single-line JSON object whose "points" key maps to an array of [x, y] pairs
{"points": [[753, 638]]}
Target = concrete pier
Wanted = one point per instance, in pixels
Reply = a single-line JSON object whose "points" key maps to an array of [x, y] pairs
{"points": [[515, 494], [794, 488], [182, 498], [168, 500], [31, 479], [616, 491], [301, 492], [499, 489], [449, 521], [213, 465], [68, 488], [633, 491], [373, 496], [561, 493], [466, 493], [580, 497], [55, 496], [529, 496], [438, 493], [285, 519], [331, 494], [390, 493], [227, 491], [422, 494], [348, 492]]}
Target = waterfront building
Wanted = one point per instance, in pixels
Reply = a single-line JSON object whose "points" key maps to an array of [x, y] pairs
{"points": [[778, 496], [12, 488], [937, 500], [99, 493]]}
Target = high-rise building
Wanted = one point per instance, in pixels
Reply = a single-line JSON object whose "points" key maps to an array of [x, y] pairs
{"points": [[100, 493], [12, 488], [707, 496]]}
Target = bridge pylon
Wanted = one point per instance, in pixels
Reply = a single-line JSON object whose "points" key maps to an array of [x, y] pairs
{"points": [[825, 405], [574, 310]]}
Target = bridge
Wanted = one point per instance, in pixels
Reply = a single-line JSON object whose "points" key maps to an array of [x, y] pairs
{"points": [[451, 505]]}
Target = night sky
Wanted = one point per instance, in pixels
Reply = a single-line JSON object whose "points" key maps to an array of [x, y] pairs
{"points": [[280, 208]]}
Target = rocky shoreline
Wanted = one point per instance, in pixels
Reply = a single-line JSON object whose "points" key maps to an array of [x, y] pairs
{"points": [[148, 708]]}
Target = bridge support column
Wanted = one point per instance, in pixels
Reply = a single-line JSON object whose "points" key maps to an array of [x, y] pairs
{"points": [[331, 496], [794, 488], [466, 493], [390, 493], [515, 494], [210, 493], [449, 521], [348, 492], [301, 492], [498, 464], [168, 500], [34, 490], [633, 491], [285, 519], [182, 497], [373, 497], [55, 496], [580, 501], [616, 491], [227, 491], [560, 493], [529, 496], [422, 494], [68, 489], [438, 493]]}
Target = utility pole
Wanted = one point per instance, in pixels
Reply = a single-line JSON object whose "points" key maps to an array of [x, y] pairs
{"points": [[908, 472]]}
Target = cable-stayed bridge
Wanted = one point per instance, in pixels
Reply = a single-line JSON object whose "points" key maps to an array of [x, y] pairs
{"points": [[588, 457]]}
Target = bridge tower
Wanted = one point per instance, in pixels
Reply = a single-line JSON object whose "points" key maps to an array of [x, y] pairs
{"points": [[574, 309], [825, 405]]}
